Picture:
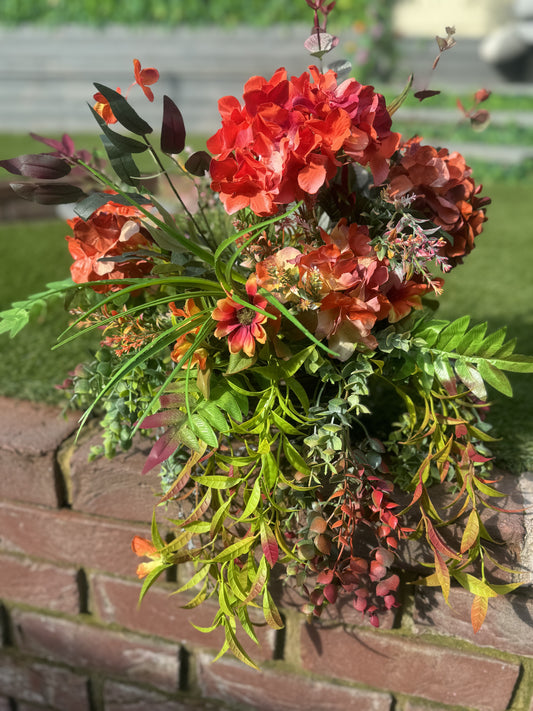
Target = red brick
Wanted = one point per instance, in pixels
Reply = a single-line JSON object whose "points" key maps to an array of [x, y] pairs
{"points": [[114, 487], [122, 697], [39, 584], [45, 684], [160, 614], [417, 706], [30, 435], [507, 626], [69, 537], [398, 664], [93, 647], [270, 689]]}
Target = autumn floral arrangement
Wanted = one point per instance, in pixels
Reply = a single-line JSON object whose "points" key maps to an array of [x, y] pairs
{"points": [[276, 336]]}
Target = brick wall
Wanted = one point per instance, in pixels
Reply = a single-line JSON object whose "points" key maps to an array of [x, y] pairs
{"points": [[74, 639]]}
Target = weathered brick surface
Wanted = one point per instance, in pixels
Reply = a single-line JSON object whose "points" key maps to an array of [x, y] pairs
{"points": [[39, 584], [508, 625], [398, 664], [30, 434], [69, 537], [123, 697], [410, 705], [269, 690], [88, 646], [28, 680], [114, 487], [160, 614]]}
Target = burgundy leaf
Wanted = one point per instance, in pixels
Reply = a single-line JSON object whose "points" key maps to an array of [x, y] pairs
{"points": [[51, 142], [330, 593], [269, 544], [425, 94], [198, 164], [173, 128], [48, 194], [161, 451], [42, 166]]}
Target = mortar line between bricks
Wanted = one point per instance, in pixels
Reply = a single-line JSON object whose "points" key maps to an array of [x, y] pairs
{"points": [[62, 456]]}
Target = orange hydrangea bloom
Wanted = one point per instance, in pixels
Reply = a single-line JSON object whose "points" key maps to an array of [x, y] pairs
{"points": [[110, 231], [445, 193], [290, 136]]}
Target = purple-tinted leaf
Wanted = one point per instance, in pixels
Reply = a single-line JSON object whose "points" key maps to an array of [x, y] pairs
{"points": [[48, 194], [198, 164], [124, 113], [269, 544], [425, 94], [480, 119], [58, 146], [42, 166], [172, 128], [331, 592], [68, 143], [161, 451]]}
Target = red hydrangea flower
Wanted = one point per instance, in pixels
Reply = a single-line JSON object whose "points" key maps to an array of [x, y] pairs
{"points": [[110, 231], [241, 324], [289, 137], [445, 193]]}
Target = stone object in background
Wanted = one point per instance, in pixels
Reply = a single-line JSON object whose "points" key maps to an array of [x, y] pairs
{"points": [[510, 47]]}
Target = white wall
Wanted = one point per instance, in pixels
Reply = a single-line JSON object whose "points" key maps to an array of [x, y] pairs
{"points": [[471, 18]]}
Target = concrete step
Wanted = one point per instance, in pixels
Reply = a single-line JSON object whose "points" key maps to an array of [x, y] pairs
{"points": [[47, 81]]}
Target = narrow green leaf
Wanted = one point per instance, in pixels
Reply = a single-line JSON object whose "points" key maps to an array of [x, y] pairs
{"points": [[219, 517], [203, 430], [122, 163], [235, 550], [194, 580], [150, 580], [271, 612], [156, 538], [216, 481], [474, 585], [291, 366], [493, 342], [214, 416], [285, 312], [471, 532], [123, 111], [471, 341], [237, 648], [294, 458], [493, 376], [452, 334], [471, 378], [124, 144], [252, 503]]}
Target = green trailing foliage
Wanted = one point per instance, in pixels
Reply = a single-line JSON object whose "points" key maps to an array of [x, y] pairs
{"points": [[303, 401]]}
